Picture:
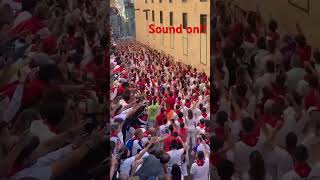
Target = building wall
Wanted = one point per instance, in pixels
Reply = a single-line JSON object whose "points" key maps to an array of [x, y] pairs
{"points": [[192, 49], [288, 15]]}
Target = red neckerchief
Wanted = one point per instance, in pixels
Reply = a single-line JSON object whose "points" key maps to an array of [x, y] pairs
{"points": [[33, 25], [146, 134], [195, 98], [117, 70], [249, 139], [180, 120], [207, 93], [233, 115], [304, 53], [205, 115], [114, 134], [52, 128], [177, 111], [200, 162], [272, 121], [310, 99], [201, 125], [302, 169], [188, 104]]}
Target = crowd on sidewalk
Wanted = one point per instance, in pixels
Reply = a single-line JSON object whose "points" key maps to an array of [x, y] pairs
{"points": [[266, 99], [53, 89]]}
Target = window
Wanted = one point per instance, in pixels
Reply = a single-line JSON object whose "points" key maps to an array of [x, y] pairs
{"points": [[153, 16], [161, 18], [171, 18], [147, 15], [203, 23], [184, 20]]}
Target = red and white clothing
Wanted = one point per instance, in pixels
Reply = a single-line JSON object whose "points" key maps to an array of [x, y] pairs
{"points": [[136, 147], [303, 172], [116, 137], [244, 148], [203, 116], [176, 158], [200, 170]]}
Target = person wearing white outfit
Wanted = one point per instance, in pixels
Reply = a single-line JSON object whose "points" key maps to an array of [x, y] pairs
{"points": [[176, 156], [200, 168], [302, 169]]}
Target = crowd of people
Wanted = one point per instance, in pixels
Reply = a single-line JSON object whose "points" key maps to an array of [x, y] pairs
{"points": [[54, 59], [160, 112], [266, 99], [75, 106]]}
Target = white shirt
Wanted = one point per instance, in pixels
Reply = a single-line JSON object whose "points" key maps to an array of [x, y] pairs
{"points": [[278, 162], [196, 112], [162, 130], [122, 115], [265, 80], [261, 59], [242, 153], [200, 172], [136, 147], [123, 103], [201, 130], [42, 168], [118, 139], [191, 124], [175, 158]]}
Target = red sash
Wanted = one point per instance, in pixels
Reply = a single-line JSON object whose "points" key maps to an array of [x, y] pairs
{"points": [[302, 169]]}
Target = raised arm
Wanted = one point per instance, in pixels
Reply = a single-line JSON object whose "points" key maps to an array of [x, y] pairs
{"points": [[75, 157], [141, 153]]}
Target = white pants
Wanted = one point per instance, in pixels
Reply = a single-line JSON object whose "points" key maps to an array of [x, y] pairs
{"points": [[192, 136]]}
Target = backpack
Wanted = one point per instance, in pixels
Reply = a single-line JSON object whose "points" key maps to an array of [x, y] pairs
{"points": [[129, 145]]}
